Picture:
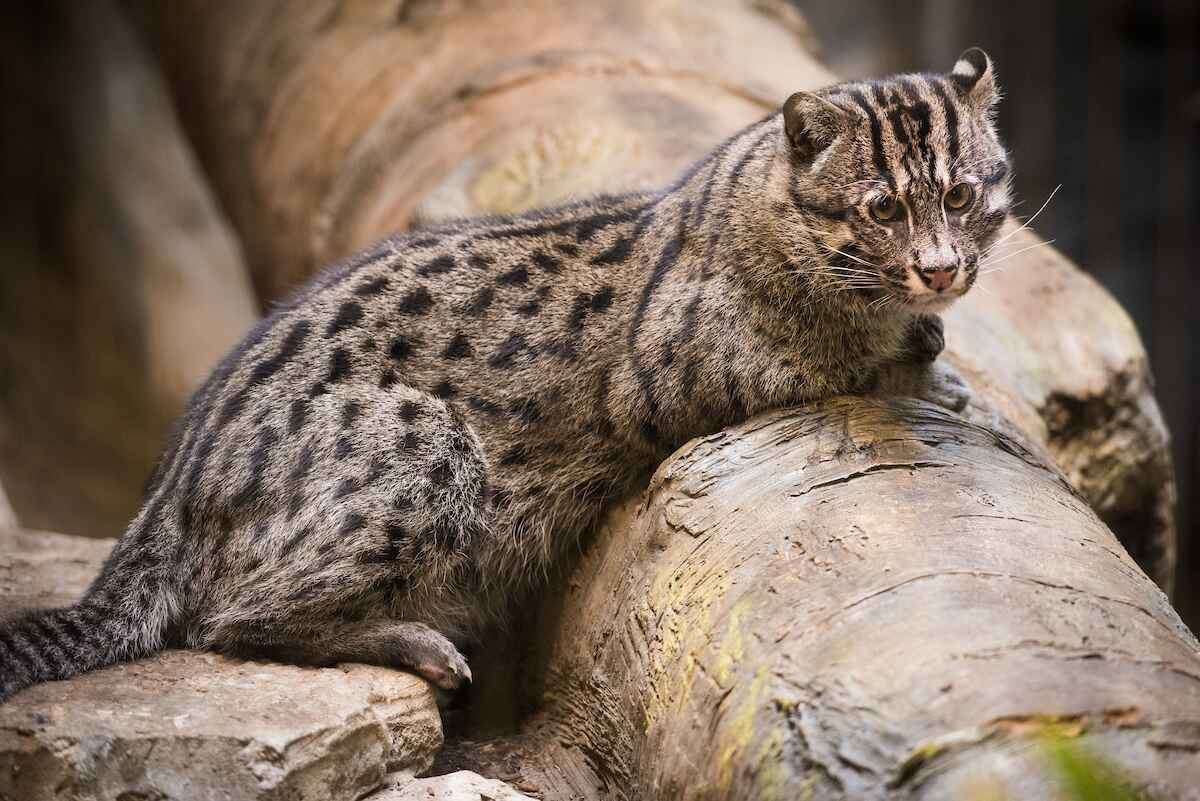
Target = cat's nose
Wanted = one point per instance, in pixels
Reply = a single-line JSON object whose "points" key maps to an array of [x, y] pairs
{"points": [[938, 278]]}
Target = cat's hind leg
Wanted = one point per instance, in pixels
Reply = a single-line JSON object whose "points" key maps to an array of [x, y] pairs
{"points": [[364, 550]]}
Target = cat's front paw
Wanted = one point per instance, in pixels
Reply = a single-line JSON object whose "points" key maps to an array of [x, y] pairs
{"points": [[447, 669], [936, 382], [945, 387], [924, 340]]}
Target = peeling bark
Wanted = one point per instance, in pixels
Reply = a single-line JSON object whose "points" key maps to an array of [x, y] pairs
{"points": [[853, 599]]}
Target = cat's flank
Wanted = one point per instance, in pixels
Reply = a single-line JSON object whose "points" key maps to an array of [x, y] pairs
{"points": [[391, 460]]}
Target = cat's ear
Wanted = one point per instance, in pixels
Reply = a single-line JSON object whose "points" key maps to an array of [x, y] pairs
{"points": [[972, 76], [812, 123]]}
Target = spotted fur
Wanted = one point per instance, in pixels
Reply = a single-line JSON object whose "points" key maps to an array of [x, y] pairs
{"points": [[420, 435]]}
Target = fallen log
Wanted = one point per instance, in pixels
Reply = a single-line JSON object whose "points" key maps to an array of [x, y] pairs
{"points": [[859, 599]]}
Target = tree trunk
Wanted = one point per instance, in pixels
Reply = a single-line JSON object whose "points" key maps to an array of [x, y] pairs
{"points": [[855, 598], [121, 285]]}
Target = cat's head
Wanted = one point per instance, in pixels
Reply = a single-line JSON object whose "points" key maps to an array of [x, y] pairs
{"points": [[906, 177]]}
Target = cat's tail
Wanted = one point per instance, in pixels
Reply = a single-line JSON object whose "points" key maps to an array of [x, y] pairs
{"points": [[51, 644]]}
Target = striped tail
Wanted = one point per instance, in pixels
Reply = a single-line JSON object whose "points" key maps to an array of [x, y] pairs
{"points": [[50, 644]]}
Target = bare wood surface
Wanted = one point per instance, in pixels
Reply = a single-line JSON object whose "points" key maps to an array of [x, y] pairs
{"points": [[1056, 355], [859, 600]]}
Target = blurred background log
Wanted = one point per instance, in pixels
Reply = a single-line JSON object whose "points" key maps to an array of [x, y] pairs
{"points": [[122, 285], [423, 109], [8, 518]]}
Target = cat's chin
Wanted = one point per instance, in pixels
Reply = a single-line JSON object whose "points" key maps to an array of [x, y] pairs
{"points": [[929, 304]]}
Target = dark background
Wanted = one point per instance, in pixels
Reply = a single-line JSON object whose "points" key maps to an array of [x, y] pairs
{"points": [[1104, 99]]}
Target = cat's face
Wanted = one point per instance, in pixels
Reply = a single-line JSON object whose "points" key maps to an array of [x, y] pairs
{"points": [[902, 184]]}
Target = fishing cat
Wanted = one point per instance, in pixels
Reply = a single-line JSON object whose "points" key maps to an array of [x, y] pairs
{"points": [[417, 437]]}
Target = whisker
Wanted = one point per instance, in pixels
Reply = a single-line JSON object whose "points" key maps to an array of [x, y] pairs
{"points": [[991, 264], [1003, 249], [847, 274], [860, 280], [880, 303], [1028, 222], [853, 272], [847, 255], [834, 266], [849, 287], [991, 259]]}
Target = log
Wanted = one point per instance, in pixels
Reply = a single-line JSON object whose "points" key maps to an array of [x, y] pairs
{"points": [[122, 283], [7, 516], [859, 598]]}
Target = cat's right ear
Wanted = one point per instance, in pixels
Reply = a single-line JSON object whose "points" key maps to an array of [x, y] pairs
{"points": [[811, 123], [973, 77]]}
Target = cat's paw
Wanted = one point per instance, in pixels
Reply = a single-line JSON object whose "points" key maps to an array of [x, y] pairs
{"points": [[924, 340], [945, 387], [431, 656], [935, 382], [448, 670]]}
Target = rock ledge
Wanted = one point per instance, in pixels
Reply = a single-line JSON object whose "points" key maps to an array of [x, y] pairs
{"points": [[195, 726]]}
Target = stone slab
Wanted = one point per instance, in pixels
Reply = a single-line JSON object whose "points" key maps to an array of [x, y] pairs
{"points": [[192, 726], [462, 785]]}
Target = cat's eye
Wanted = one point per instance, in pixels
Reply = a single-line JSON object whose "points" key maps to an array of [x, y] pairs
{"points": [[959, 197], [886, 208]]}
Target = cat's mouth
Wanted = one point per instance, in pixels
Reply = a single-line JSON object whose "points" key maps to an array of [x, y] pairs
{"points": [[882, 285], [930, 304], [923, 291]]}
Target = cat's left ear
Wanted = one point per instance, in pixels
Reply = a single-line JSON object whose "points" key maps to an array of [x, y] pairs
{"points": [[811, 123], [972, 75]]}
